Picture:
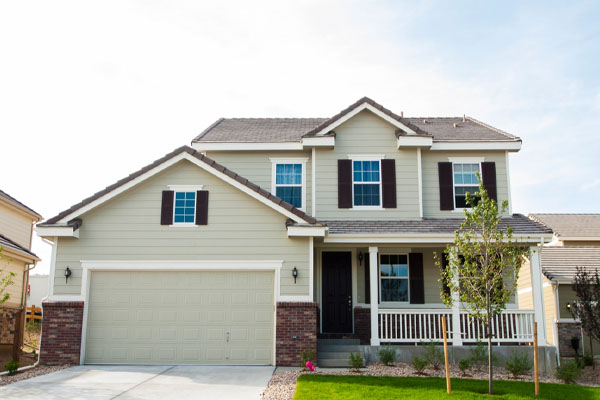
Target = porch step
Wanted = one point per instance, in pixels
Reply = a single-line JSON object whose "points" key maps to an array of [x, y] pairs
{"points": [[335, 353], [338, 355], [341, 347], [333, 363], [336, 342]]}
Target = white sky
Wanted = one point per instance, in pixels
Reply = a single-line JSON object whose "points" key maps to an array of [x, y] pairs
{"points": [[92, 91]]}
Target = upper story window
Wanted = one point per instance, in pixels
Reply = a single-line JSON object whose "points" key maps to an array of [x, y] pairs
{"points": [[184, 211], [465, 180], [393, 277], [289, 181], [366, 183]]}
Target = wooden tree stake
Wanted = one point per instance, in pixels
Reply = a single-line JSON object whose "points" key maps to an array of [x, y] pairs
{"points": [[536, 376], [448, 386]]}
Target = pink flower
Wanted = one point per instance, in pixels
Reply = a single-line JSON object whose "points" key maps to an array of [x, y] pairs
{"points": [[310, 366]]}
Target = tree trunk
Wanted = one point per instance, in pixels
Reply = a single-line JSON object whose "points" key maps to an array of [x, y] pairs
{"points": [[489, 338]]}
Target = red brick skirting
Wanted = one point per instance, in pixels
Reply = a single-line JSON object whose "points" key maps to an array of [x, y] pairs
{"points": [[362, 324], [61, 333], [296, 331]]}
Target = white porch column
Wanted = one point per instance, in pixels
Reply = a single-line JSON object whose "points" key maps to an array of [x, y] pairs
{"points": [[374, 290], [456, 331], [538, 292]]}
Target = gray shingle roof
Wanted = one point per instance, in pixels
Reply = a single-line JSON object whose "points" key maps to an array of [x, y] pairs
{"points": [[18, 203], [519, 223], [571, 225], [210, 162], [7, 243], [560, 263], [277, 130]]}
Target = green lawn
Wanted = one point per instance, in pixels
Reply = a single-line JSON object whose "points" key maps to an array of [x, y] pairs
{"points": [[333, 387]]}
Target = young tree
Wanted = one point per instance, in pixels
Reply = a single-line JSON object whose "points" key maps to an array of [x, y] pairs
{"points": [[483, 264], [5, 282], [587, 309]]}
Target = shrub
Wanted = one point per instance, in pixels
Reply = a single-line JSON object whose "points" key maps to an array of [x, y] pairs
{"points": [[568, 372], [588, 360], [433, 355], [387, 355], [479, 355], [12, 367], [356, 361], [307, 355], [464, 365], [518, 364], [419, 364]]}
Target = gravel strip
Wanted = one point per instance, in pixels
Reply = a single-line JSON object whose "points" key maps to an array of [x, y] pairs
{"points": [[30, 373], [283, 384]]}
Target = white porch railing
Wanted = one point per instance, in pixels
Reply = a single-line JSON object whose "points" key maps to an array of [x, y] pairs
{"points": [[413, 326]]}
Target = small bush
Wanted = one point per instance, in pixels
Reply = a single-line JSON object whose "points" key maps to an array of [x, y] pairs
{"points": [[568, 372], [356, 361], [464, 365], [419, 364], [433, 355], [479, 356], [387, 355], [12, 367], [518, 364], [588, 360], [307, 355]]}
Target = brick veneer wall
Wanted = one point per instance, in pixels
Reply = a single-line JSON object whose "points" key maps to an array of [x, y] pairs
{"points": [[297, 320], [566, 330], [61, 333], [7, 325], [362, 324]]}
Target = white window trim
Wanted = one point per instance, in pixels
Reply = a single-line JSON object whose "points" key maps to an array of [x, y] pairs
{"points": [[366, 157], [301, 161], [394, 304], [185, 188], [463, 160], [184, 224]]}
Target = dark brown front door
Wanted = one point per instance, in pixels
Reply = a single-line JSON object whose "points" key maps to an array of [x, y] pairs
{"points": [[337, 292]]}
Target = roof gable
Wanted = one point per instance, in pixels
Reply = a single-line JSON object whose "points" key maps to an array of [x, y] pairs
{"points": [[20, 206], [172, 158]]}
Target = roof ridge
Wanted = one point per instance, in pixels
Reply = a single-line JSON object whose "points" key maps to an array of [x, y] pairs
{"points": [[493, 128]]}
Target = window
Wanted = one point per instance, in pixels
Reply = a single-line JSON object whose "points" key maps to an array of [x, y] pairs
{"points": [[184, 208], [289, 180], [465, 180], [393, 276], [366, 183]]}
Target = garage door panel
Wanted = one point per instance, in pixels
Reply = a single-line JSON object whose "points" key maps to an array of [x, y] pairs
{"points": [[208, 317]]}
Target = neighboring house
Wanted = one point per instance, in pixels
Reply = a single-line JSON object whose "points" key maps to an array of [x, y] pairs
{"points": [[16, 229], [575, 243], [270, 232], [37, 290]]}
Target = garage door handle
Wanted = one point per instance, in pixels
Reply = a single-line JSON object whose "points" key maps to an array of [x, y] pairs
{"points": [[227, 337]]}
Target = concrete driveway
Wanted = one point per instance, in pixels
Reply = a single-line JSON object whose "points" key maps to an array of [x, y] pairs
{"points": [[144, 382]]}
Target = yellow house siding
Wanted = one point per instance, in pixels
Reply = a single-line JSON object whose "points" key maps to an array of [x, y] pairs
{"points": [[549, 309], [366, 134], [128, 228], [431, 183], [8, 265], [15, 226], [525, 296]]}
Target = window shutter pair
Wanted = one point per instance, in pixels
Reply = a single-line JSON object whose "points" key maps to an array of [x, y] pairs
{"points": [[388, 183], [166, 214], [488, 174]]}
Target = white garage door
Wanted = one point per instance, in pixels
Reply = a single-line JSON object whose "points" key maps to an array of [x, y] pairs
{"points": [[200, 317]]}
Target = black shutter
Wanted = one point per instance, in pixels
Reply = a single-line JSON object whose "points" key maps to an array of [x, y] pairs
{"points": [[202, 207], [488, 174], [446, 186], [344, 183], [445, 288], [388, 181], [166, 211], [417, 285], [367, 279]]}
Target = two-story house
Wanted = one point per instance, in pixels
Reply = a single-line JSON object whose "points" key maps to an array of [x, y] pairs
{"points": [[575, 244], [16, 258], [269, 233]]}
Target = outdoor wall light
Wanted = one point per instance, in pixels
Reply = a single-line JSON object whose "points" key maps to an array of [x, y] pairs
{"points": [[569, 306], [295, 274], [67, 274], [360, 257]]}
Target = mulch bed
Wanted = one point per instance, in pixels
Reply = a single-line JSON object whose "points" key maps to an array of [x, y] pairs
{"points": [[30, 373], [283, 384]]}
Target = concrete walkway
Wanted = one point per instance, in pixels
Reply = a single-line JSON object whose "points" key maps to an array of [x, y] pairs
{"points": [[144, 382]]}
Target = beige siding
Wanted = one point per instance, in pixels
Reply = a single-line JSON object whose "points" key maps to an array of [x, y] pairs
{"points": [[524, 292], [431, 189], [579, 243], [128, 228], [15, 290], [15, 226], [257, 167], [549, 309], [366, 133]]}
